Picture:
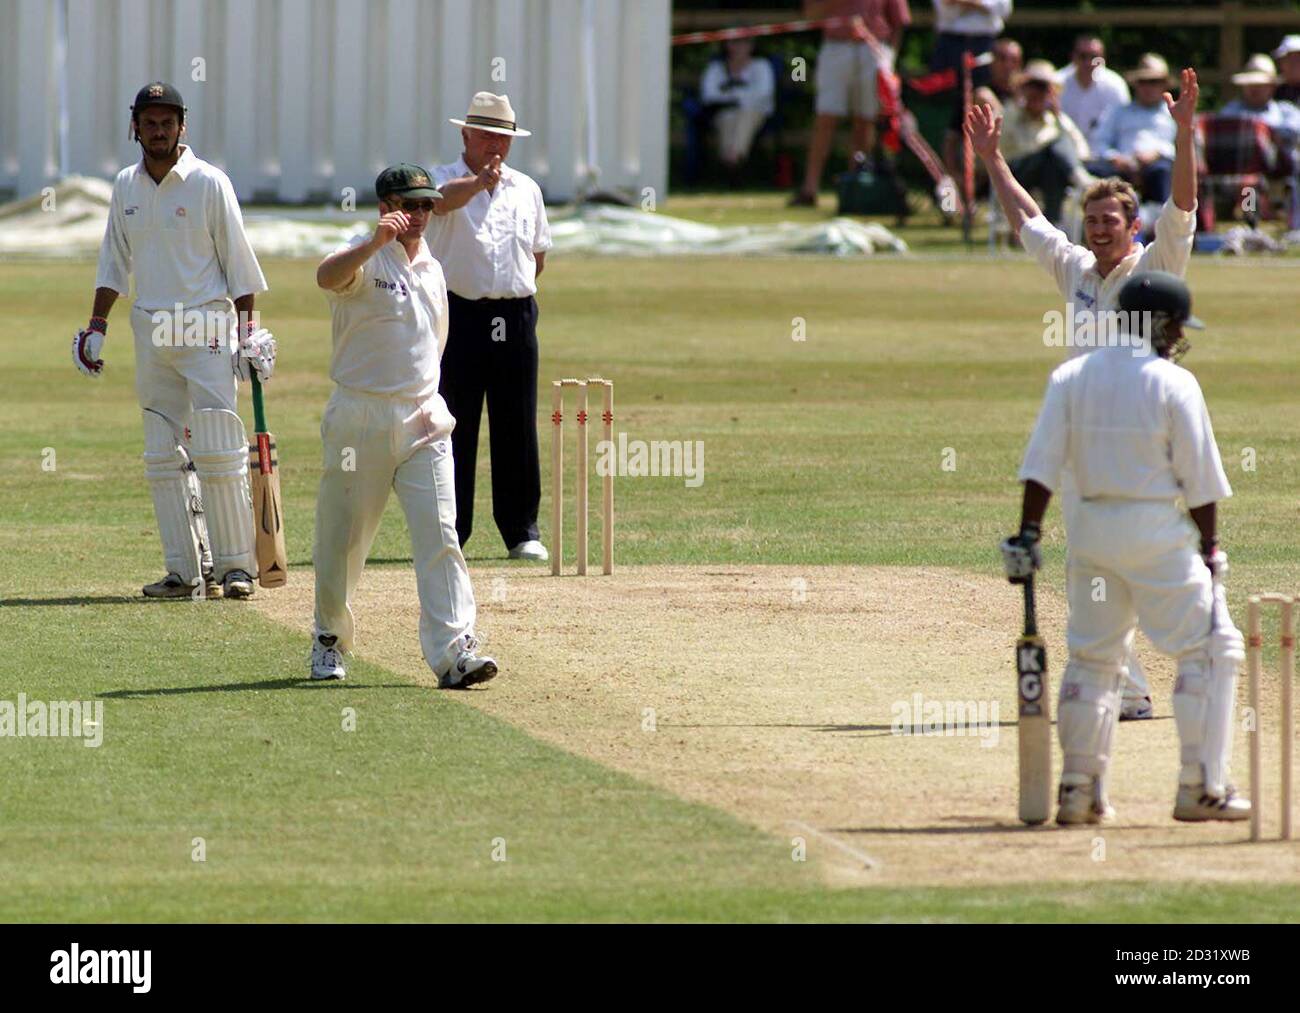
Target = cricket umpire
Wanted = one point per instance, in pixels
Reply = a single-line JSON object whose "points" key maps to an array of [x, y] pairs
{"points": [[387, 429], [491, 235], [174, 223]]}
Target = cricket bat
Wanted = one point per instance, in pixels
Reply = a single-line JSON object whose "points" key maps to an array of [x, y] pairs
{"points": [[1035, 717], [268, 517]]}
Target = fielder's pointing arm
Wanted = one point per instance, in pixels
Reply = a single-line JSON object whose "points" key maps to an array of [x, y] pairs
{"points": [[984, 128], [339, 269]]}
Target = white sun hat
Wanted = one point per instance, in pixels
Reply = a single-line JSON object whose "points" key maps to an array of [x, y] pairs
{"points": [[1291, 44], [492, 113], [1259, 69]]}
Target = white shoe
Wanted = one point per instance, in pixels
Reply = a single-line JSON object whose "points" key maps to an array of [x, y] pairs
{"points": [[469, 669], [1082, 804], [533, 550], [237, 584], [1193, 805], [1136, 708], [326, 659], [172, 586]]}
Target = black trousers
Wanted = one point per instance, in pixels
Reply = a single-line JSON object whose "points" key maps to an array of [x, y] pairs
{"points": [[492, 351]]}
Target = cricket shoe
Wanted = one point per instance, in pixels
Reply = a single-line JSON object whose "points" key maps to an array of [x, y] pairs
{"points": [[1079, 804], [174, 586], [1136, 708], [532, 549], [1195, 805], [237, 584], [326, 659], [469, 669]]}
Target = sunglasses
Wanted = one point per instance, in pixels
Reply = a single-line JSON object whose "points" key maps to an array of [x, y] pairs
{"points": [[412, 206]]}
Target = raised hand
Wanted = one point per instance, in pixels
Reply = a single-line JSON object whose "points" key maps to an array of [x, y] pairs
{"points": [[984, 128], [1184, 110], [391, 226], [490, 175]]}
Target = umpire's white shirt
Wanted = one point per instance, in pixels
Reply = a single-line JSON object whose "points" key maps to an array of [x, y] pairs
{"points": [[390, 326], [1074, 267], [183, 238], [488, 248], [1126, 424]]}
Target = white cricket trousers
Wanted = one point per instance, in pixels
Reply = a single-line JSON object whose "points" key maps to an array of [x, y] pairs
{"points": [[374, 444], [1135, 562], [1135, 685]]}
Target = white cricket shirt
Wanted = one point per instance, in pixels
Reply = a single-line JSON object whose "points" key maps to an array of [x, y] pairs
{"points": [[1074, 268], [1087, 106], [487, 248], [390, 326], [183, 238], [1126, 425]]}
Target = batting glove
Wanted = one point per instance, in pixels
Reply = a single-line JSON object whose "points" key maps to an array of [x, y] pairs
{"points": [[86, 347], [1020, 554], [1217, 560], [255, 354]]}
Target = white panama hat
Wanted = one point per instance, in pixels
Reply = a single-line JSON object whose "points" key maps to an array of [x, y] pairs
{"points": [[492, 113], [1259, 69]]}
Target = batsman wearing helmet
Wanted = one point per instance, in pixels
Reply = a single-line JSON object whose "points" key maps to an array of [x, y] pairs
{"points": [[1090, 277], [1131, 429], [174, 223]]}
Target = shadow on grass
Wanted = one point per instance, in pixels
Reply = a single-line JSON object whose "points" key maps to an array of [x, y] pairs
{"points": [[993, 826], [245, 687], [113, 599]]}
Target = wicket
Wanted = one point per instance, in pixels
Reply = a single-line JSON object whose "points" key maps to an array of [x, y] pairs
{"points": [[1254, 650], [557, 474]]}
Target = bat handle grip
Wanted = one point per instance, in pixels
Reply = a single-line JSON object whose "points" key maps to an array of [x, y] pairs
{"points": [[1031, 609], [259, 413]]}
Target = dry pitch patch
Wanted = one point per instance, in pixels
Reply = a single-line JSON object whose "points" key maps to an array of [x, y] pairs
{"points": [[774, 693]]}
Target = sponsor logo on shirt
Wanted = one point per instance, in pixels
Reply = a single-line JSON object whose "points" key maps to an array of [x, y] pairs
{"points": [[180, 212], [132, 209], [1083, 297], [393, 286]]}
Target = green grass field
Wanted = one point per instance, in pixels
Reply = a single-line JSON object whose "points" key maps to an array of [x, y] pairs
{"points": [[823, 450]]}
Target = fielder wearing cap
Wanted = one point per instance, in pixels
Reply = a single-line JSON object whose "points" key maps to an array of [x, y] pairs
{"points": [[1090, 277], [1258, 81], [174, 224], [386, 428], [1132, 429], [491, 235]]}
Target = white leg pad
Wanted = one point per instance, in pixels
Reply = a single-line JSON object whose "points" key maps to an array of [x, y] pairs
{"points": [[1087, 711], [220, 452], [1204, 697], [175, 500]]}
